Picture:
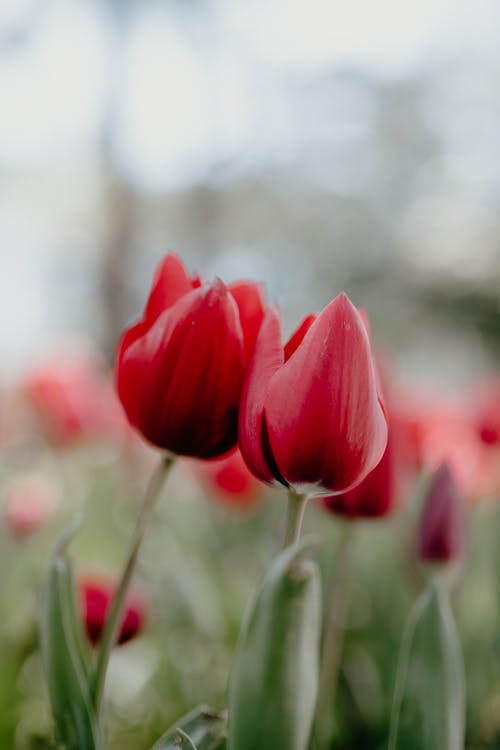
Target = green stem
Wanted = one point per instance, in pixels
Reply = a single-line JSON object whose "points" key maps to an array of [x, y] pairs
{"points": [[402, 667], [114, 619], [295, 515], [333, 638]]}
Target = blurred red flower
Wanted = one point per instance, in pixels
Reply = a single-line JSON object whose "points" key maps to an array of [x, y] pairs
{"points": [[443, 428], [96, 593], [180, 370], [485, 398], [230, 480], [74, 398], [311, 415]]}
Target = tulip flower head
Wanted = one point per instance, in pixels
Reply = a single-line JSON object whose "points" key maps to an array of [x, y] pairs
{"points": [[442, 526], [180, 370], [311, 416], [96, 594]]}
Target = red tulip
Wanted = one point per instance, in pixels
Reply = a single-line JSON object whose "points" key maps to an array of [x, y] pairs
{"points": [[382, 490], [74, 399], [96, 594], [230, 480], [442, 527], [486, 411], [485, 418], [441, 431], [310, 413], [180, 370]]}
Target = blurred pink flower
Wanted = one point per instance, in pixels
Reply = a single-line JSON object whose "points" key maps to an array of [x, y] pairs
{"points": [[440, 429], [74, 398], [29, 503], [485, 406]]}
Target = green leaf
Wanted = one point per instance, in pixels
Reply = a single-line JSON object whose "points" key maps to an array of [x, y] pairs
{"points": [[64, 658], [274, 681], [201, 729], [429, 699]]}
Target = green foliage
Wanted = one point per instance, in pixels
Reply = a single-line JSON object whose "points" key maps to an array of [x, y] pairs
{"points": [[201, 729], [65, 662], [274, 680], [429, 702]]}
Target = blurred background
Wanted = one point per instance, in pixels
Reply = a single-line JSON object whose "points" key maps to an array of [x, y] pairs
{"points": [[318, 146]]}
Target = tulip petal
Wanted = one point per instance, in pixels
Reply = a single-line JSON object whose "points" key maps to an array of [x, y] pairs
{"points": [[326, 425], [267, 452], [170, 283], [297, 336], [374, 497], [251, 307], [266, 360]]}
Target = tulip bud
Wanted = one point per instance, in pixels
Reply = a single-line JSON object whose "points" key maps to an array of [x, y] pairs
{"points": [[96, 594], [274, 682], [310, 415], [442, 526], [180, 369]]}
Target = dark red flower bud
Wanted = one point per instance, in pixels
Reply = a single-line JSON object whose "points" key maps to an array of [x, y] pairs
{"points": [[442, 526], [310, 413], [96, 594], [180, 370]]}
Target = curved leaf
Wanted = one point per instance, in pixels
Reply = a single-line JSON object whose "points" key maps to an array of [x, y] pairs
{"points": [[64, 659], [274, 681], [429, 699]]}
